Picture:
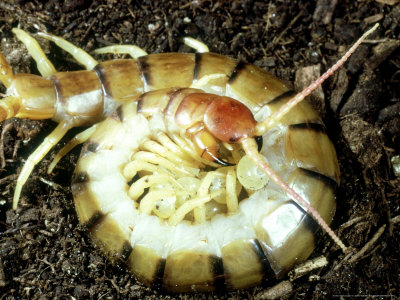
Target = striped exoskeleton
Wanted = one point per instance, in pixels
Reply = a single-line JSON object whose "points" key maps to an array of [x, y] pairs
{"points": [[199, 211]]}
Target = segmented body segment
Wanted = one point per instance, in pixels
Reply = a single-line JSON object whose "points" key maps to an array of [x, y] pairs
{"points": [[163, 183]]}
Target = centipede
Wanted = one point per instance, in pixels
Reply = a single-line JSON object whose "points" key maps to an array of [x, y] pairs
{"points": [[198, 171]]}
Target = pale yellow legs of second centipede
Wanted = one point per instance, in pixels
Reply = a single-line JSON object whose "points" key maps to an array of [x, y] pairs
{"points": [[46, 69]]}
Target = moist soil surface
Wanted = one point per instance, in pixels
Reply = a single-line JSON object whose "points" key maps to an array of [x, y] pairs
{"points": [[45, 253]]}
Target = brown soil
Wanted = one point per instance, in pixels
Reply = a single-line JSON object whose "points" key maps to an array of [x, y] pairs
{"points": [[44, 253]]}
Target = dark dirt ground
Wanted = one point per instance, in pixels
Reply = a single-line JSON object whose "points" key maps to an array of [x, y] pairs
{"points": [[44, 253]]}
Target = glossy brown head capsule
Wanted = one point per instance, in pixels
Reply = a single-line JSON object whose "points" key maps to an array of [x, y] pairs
{"points": [[210, 119], [229, 120]]}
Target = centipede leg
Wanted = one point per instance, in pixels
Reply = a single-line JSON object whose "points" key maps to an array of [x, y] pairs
{"points": [[132, 168], [6, 73], [52, 139], [44, 66], [163, 162], [79, 54], [161, 150], [80, 138], [232, 201], [132, 50], [137, 188], [196, 45], [8, 107]]}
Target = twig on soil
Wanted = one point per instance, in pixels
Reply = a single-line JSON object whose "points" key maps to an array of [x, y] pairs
{"points": [[49, 264], [281, 289], [368, 245], [307, 267], [351, 222], [7, 178], [278, 38], [285, 287], [395, 219], [54, 185], [16, 147], [13, 230], [350, 258], [2, 275], [389, 220], [115, 286], [5, 129]]}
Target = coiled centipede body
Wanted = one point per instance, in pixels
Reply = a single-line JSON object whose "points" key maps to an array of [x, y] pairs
{"points": [[172, 181]]}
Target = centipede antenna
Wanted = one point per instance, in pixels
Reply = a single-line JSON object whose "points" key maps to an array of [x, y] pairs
{"points": [[270, 121], [250, 147]]}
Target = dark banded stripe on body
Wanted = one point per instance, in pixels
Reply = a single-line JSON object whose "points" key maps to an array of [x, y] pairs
{"points": [[158, 101], [217, 268], [310, 223], [212, 64], [86, 204], [286, 95], [197, 64], [167, 70], [104, 230], [108, 234], [93, 221], [267, 270], [118, 114], [308, 126], [328, 182], [214, 69], [254, 86], [191, 270], [146, 265], [240, 67], [144, 71], [319, 189], [306, 144], [121, 79], [245, 263], [70, 88]]}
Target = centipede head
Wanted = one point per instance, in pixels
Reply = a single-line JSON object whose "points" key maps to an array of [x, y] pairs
{"points": [[229, 120]]}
